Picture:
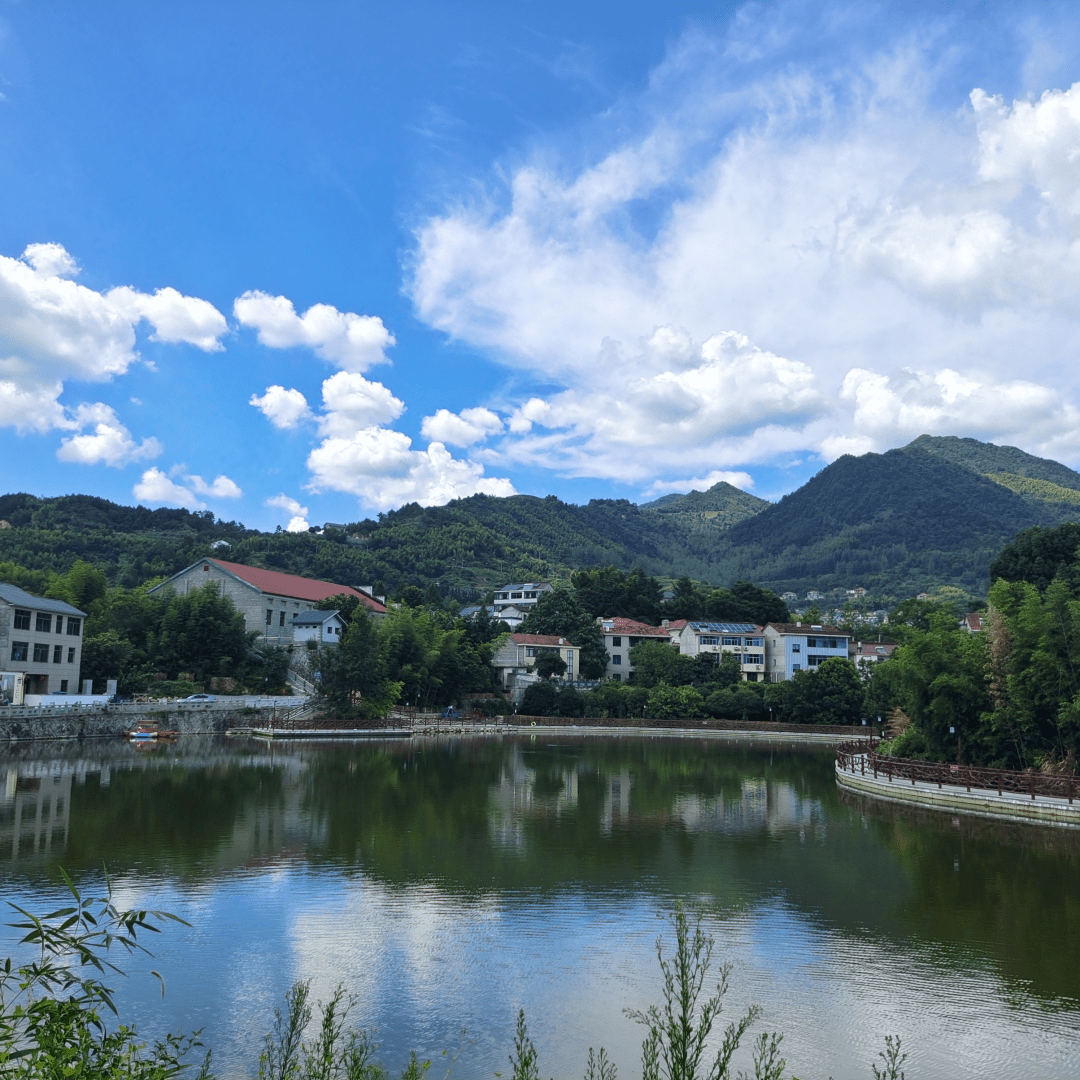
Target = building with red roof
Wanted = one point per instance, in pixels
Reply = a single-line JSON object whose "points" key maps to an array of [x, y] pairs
{"points": [[518, 653], [620, 636], [268, 599]]}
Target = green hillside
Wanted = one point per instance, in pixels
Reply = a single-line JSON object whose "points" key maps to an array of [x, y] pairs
{"points": [[932, 513], [722, 506], [897, 523]]}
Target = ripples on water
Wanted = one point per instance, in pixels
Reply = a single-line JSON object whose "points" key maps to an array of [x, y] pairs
{"points": [[446, 884]]}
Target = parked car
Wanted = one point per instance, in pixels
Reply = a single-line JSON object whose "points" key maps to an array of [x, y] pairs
{"points": [[201, 697]]}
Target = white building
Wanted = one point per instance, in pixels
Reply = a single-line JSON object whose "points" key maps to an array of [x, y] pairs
{"points": [[520, 595], [40, 645], [322, 627], [518, 653], [620, 636], [744, 640]]}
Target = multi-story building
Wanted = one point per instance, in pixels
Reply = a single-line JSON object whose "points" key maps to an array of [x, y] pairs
{"points": [[620, 636], [520, 595], [792, 647], [743, 640], [40, 645], [519, 652], [268, 599]]}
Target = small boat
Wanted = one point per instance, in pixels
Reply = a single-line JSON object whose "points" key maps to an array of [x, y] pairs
{"points": [[148, 730]]}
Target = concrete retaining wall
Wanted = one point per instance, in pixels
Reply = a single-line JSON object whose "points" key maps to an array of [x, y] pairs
{"points": [[106, 724], [1007, 806]]}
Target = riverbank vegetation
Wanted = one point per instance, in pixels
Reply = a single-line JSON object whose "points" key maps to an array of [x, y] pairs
{"points": [[58, 1018]]}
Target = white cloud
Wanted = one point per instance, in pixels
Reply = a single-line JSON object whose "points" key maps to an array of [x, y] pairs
{"points": [[352, 402], [461, 429], [380, 467], [156, 487], [353, 342], [53, 330], [297, 513], [742, 480], [838, 218], [110, 443], [284, 409], [173, 316], [221, 488]]}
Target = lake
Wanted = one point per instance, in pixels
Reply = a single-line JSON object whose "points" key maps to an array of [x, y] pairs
{"points": [[448, 882]]}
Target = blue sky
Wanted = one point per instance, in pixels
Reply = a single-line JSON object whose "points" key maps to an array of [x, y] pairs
{"points": [[307, 261]]}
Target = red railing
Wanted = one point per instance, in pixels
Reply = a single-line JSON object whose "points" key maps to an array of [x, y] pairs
{"points": [[860, 759]]}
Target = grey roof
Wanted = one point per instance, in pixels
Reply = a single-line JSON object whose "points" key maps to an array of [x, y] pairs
{"points": [[526, 585], [315, 617], [19, 598], [726, 627]]}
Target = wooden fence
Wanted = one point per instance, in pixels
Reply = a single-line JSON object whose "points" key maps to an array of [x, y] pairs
{"points": [[860, 757]]}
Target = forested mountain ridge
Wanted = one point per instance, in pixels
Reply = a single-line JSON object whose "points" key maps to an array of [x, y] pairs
{"points": [[932, 513], [722, 506]]}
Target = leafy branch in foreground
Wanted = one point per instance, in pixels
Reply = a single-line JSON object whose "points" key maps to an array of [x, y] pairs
{"points": [[51, 1007]]}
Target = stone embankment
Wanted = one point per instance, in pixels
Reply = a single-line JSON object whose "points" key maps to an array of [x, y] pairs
{"points": [[994, 793], [21, 724]]}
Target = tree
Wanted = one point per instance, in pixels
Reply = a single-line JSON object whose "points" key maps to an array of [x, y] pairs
{"points": [[1039, 555], [539, 699], [832, 694], [609, 592], [655, 662], [355, 668], [673, 702], [549, 663], [201, 633], [561, 613]]}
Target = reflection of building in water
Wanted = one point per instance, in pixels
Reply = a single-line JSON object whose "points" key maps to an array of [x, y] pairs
{"points": [[34, 814], [35, 805], [523, 792], [769, 805]]}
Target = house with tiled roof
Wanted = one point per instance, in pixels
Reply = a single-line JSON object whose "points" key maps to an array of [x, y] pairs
{"points": [[742, 640], [268, 599], [620, 636], [974, 622], [797, 646], [517, 654]]}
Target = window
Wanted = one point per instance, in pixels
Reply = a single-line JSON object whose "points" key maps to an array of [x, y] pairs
{"points": [[43, 624], [796, 667], [41, 652], [58, 654], [753, 658], [269, 617], [730, 641], [796, 647], [616, 642], [22, 620], [570, 658], [74, 626], [63, 686], [811, 642], [617, 661], [813, 661], [710, 641], [832, 643], [755, 641], [515, 596], [530, 650], [281, 619], [206, 567], [71, 656], [20, 649]]}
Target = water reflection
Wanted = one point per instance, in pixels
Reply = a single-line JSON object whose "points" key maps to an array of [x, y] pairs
{"points": [[490, 873]]}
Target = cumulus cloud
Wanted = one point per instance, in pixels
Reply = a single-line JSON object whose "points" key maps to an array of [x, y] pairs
{"points": [[284, 409], [109, 443], [353, 342], [461, 429], [351, 402], [53, 330], [173, 316], [156, 487], [836, 222], [297, 513], [221, 488], [741, 480], [381, 468]]}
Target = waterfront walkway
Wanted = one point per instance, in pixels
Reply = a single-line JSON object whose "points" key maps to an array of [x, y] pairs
{"points": [[855, 772]]}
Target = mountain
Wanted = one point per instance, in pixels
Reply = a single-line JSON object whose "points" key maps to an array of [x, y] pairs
{"points": [[934, 512], [722, 506], [898, 522]]}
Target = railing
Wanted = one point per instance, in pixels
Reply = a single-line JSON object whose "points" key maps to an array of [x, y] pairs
{"points": [[861, 759]]}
